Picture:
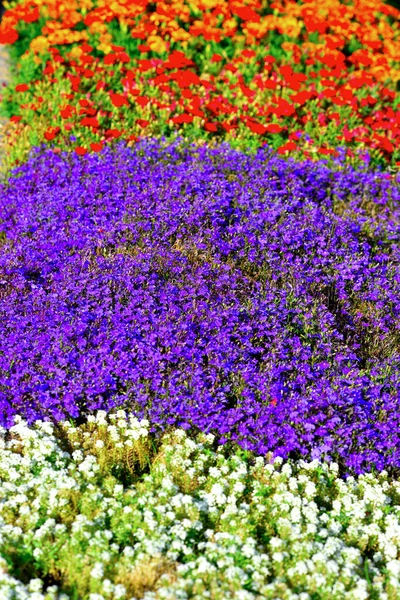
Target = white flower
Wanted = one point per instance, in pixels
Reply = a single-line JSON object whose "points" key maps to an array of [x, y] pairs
{"points": [[239, 487], [393, 567], [35, 585], [98, 571], [278, 556]]}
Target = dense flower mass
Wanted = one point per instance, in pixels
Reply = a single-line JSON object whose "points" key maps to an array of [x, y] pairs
{"points": [[303, 78], [200, 335], [248, 296], [98, 512]]}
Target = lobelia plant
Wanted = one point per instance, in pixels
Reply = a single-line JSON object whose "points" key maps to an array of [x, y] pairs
{"points": [[251, 297]]}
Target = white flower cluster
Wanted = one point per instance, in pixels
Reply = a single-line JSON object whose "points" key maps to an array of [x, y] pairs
{"points": [[190, 523]]}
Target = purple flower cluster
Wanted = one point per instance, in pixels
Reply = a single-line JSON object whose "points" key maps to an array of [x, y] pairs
{"points": [[250, 296]]}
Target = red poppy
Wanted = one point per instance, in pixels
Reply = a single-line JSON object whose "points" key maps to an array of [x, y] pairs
{"points": [[212, 127]]}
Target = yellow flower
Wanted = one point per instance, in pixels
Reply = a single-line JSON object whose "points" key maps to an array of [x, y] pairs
{"points": [[76, 52], [106, 48], [180, 35], [39, 44], [156, 44], [97, 27], [290, 26], [86, 4]]}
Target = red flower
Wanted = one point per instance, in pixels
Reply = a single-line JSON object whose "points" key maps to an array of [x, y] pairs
{"points": [[212, 127], [21, 87], [257, 128], [90, 122], [75, 81], [301, 97], [186, 78], [142, 100], [15, 119], [177, 60], [246, 14], [80, 151], [184, 118], [287, 147], [273, 128], [110, 59], [51, 133], [8, 37], [113, 133], [96, 146], [67, 112], [31, 16], [118, 100]]}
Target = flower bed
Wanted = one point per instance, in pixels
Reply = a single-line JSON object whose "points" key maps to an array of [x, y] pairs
{"points": [[106, 511], [199, 334], [248, 296], [302, 78]]}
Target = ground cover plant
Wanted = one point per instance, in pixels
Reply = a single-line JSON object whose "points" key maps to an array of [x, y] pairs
{"points": [[106, 511], [303, 77], [199, 301], [250, 296]]}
